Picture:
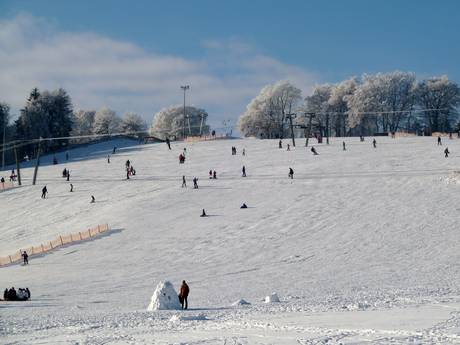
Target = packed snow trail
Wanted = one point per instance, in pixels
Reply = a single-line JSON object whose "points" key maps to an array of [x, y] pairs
{"points": [[357, 230]]}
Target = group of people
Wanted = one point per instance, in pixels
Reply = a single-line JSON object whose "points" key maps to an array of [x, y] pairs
{"points": [[66, 174], [19, 295], [212, 174]]}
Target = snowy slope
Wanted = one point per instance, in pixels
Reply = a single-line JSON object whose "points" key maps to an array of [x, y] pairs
{"points": [[371, 231]]}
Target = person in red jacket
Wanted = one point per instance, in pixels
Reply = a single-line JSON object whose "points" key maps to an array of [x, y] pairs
{"points": [[183, 294]]}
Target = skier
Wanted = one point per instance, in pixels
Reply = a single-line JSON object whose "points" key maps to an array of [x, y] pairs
{"points": [[210, 174], [44, 192], [374, 143], [343, 145], [68, 175], [183, 294], [291, 173], [64, 172], [313, 150], [93, 199], [244, 206], [280, 144], [71, 187], [108, 159], [195, 183], [214, 175], [244, 152], [25, 257], [203, 214], [168, 143], [288, 147], [184, 183], [244, 171], [446, 152], [439, 141]]}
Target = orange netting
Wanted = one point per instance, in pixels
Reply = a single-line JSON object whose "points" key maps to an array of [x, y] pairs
{"points": [[56, 243]]}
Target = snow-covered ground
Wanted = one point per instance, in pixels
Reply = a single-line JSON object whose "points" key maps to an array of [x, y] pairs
{"points": [[361, 246]]}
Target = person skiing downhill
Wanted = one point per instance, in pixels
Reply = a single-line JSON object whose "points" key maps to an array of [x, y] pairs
{"points": [[183, 295], [214, 175], [44, 192], [446, 152], [210, 174]]}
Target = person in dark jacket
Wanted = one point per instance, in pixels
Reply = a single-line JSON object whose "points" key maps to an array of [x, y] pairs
{"points": [[25, 257], [446, 152], [195, 183], [343, 145], [439, 141], [291, 173], [374, 143], [184, 182], [244, 206], [244, 171], [168, 143], [183, 294], [44, 192], [313, 150]]}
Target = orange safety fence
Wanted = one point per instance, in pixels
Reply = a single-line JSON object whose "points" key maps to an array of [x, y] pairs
{"points": [[56, 243]]}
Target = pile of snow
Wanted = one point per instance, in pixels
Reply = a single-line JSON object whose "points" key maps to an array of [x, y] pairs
{"points": [[453, 178], [241, 302], [164, 298], [273, 298], [178, 318]]}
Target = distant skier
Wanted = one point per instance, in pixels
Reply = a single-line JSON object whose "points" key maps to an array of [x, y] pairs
{"points": [[450, 136], [71, 187], [210, 174], [203, 213], [343, 145], [108, 159], [288, 147], [93, 199], [195, 183], [183, 294], [446, 152], [280, 144], [291, 173], [214, 175], [68, 175], [244, 152], [313, 150], [25, 257], [244, 206], [64, 172], [244, 171], [374, 143], [44, 192], [168, 143], [439, 141]]}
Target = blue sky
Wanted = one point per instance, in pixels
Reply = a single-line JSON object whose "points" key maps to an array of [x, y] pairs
{"points": [[228, 50]]}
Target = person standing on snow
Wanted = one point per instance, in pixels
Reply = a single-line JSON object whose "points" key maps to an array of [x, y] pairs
{"points": [[184, 183], [214, 175], [374, 143], [343, 145], [291, 173], [446, 152], [71, 187], [183, 295], [44, 192], [280, 144], [439, 141], [244, 171], [195, 183], [168, 143], [25, 257]]}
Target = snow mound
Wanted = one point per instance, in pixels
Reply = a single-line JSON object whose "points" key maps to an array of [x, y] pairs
{"points": [[164, 298], [453, 178], [178, 318], [241, 302], [273, 298]]}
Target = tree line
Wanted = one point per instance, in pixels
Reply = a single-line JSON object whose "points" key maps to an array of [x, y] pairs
{"points": [[378, 103], [50, 114]]}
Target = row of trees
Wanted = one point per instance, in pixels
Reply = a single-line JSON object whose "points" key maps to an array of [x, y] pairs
{"points": [[384, 102], [50, 115]]}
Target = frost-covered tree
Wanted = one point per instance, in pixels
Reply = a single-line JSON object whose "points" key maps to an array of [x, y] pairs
{"points": [[339, 106], [387, 97], [106, 121], [4, 118], [83, 123], [132, 123], [169, 122], [266, 114], [443, 96], [318, 103]]}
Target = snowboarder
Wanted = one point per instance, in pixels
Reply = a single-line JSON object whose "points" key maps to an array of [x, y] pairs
{"points": [[288, 147], [446, 152], [374, 143], [195, 183], [184, 183], [439, 141], [71, 187], [214, 175], [44, 192], [244, 206], [168, 143], [244, 171], [203, 214], [93, 199], [343, 145], [291, 173], [183, 294], [25, 257], [313, 150], [280, 144]]}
